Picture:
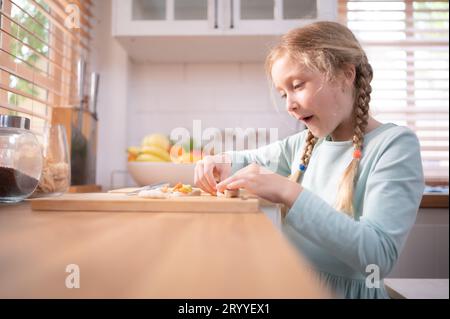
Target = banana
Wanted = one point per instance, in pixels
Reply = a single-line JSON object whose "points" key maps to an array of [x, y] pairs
{"points": [[156, 151], [149, 158], [133, 150], [158, 140]]}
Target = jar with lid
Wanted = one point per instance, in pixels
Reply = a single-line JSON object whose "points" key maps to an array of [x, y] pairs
{"points": [[21, 159]]}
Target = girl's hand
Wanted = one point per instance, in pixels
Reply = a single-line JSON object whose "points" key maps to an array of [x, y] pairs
{"points": [[263, 183], [211, 169]]}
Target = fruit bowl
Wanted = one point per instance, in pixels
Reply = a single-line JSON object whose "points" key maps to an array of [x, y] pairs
{"points": [[145, 173]]}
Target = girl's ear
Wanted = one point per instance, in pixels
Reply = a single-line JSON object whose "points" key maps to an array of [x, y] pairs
{"points": [[349, 71], [346, 77]]}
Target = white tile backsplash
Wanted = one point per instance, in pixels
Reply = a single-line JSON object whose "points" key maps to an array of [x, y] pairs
{"points": [[214, 75], [223, 95]]}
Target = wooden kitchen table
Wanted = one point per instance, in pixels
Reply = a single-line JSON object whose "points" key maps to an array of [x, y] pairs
{"points": [[148, 255]]}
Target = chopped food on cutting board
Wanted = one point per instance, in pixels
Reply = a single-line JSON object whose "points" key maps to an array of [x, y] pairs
{"points": [[229, 193], [178, 190]]}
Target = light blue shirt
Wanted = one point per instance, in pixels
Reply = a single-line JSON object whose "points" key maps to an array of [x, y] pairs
{"points": [[346, 251]]}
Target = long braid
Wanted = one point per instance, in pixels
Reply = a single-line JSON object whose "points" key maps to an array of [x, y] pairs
{"points": [[362, 103], [304, 161], [306, 156], [363, 89]]}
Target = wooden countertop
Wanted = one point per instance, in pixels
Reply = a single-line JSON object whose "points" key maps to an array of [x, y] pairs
{"points": [[434, 200], [148, 255]]}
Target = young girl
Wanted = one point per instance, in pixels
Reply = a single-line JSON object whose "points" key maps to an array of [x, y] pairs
{"points": [[352, 185]]}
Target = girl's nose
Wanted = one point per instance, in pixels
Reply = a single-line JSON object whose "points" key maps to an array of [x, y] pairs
{"points": [[291, 105]]}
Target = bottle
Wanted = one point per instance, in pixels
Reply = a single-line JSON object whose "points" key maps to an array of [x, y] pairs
{"points": [[55, 178]]}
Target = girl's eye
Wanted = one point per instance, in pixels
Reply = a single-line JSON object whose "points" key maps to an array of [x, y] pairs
{"points": [[298, 85], [283, 96]]}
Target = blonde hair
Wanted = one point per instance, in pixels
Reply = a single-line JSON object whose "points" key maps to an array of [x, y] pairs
{"points": [[329, 47]]}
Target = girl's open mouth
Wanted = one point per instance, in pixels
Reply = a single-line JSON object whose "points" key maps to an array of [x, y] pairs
{"points": [[307, 119]]}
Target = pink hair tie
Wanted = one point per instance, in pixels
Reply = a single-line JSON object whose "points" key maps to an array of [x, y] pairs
{"points": [[357, 154]]}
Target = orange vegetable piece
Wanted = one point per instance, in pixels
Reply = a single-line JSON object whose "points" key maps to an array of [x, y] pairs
{"points": [[177, 186]]}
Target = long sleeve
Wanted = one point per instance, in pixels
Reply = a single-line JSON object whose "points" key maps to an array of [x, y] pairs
{"points": [[276, 156], [392, 196]]}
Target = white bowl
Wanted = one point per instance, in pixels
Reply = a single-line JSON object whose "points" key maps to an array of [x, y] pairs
{"points": [[145, 173]]}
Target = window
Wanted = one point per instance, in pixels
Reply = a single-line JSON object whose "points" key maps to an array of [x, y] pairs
{"points": [[407, 44], [41, 42]]}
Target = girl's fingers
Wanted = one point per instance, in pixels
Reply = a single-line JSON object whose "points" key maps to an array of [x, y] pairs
{"points": [[202, 180], [205, 184], [240, 183], [239, 179], [197, 177], [224, 184], [208, 177]]}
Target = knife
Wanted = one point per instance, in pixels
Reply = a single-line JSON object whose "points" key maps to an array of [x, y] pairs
{"points": [[147, 187]]}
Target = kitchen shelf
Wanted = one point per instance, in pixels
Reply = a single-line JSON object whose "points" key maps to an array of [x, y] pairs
{"points": [[197, 49]]}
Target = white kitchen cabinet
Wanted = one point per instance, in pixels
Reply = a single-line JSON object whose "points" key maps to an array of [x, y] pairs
{"points": [[210, 30], [216, 17]]}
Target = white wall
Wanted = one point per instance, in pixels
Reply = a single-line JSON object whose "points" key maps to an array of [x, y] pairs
{"points": [[227, 95], [111, 61]]}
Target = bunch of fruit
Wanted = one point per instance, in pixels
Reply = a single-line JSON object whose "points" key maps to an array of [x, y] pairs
{"points": [[158, 148]]}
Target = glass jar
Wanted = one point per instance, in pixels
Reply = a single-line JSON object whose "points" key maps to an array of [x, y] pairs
{"points": [[20, 159], [55, 178]]}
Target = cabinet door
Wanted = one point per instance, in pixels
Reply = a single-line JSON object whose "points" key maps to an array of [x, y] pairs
{"points": [[148, 10], [278, 16], [188, 10], [165, 17]]}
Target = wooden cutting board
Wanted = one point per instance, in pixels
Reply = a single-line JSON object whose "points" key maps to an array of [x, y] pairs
{"points": [[120, 202]]}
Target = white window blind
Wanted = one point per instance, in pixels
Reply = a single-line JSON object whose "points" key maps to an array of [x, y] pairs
{"points": [[407, 44], [40, 44]]}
